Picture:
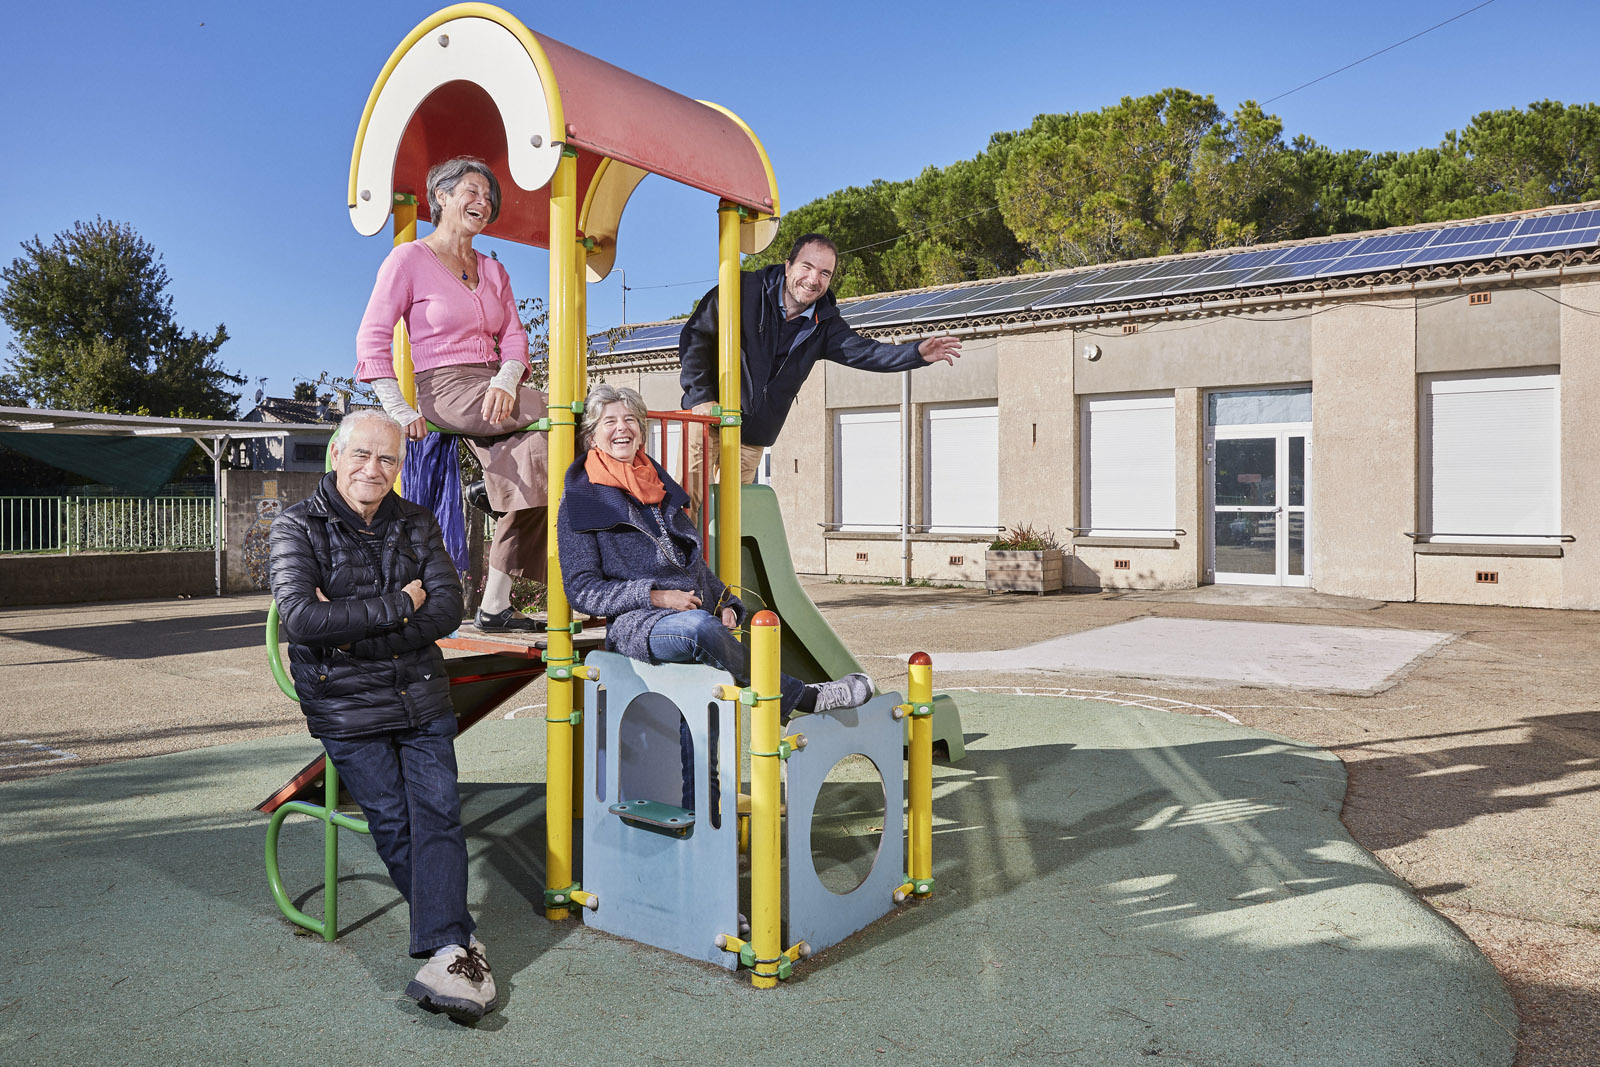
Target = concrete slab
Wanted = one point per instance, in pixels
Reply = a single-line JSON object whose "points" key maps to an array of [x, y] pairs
{"points": [[1361, 660], [1255, 596]]}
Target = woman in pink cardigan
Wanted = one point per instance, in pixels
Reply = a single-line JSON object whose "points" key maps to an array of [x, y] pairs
{"points": [[470, 354]]}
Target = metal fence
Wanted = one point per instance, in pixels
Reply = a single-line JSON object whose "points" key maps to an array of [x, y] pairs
{"points": [[106, 523]]}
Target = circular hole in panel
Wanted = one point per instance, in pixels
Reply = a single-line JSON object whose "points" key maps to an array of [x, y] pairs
{"points": [[847, 824]]}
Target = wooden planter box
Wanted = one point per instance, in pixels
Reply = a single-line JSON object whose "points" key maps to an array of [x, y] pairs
{"points": [[1023, 572]]}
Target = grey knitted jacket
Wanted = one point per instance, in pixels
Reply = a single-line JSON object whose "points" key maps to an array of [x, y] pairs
{"points": [[612, 556]]}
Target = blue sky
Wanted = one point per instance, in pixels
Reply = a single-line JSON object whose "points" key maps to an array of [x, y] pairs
{"points": [[222, 131]]}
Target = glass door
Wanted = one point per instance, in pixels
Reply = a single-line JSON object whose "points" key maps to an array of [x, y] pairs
{"points": [[1259, 494]]}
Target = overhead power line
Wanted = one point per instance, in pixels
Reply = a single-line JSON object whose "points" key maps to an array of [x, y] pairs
{"points": [[1380, 51], [996, 207]]}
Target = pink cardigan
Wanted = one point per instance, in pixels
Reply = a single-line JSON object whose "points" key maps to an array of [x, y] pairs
{"points": [[448, 323]]}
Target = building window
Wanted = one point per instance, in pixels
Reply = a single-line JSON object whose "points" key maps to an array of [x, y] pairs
{"points": [[310, 451], [1129, 471], [960, 463], [866, 469], [1491, 458]]}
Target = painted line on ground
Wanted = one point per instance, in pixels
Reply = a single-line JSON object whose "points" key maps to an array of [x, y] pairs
{"points": [[1127, 700], [58, 755]]}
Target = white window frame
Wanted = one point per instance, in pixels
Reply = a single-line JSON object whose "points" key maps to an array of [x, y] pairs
{"points": [[1151, 429], [864, 502], [977, 483], [1473, 472]]}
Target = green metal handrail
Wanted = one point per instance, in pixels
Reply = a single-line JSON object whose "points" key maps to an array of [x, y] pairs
{"points": [[331, 819]]}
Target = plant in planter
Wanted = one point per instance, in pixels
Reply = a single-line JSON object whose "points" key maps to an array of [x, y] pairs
{"points": [[1023, 560]]}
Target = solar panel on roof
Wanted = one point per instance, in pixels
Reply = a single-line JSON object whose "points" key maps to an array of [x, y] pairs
{"points": [[1197, 274], [1483, 231], [1542, 224], [1248, 260], [1551, 242], [1362, 263]]}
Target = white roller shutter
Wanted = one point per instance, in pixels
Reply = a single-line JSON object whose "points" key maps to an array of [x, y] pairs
{"points": [[960, 468], [1493, 458], [1131, 470], [866, 469]]}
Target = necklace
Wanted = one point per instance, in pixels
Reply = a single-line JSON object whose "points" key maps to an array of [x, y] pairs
{"points": [[437, 254]]}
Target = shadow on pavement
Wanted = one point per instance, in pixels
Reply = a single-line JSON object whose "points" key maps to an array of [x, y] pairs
{"points": [[152, 638]]}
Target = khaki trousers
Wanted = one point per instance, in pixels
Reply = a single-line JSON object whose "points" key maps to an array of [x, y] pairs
{"points": [[749, 464]]}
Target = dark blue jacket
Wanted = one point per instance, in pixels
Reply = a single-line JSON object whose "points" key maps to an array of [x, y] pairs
{"points": [[364, 662], [771, 381], [612, 555]]}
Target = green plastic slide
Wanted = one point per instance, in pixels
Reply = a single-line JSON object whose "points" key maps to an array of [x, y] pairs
{"points": [[811, 650]]}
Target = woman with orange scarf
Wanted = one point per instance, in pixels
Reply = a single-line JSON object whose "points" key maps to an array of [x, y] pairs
{"points": [[630, 553]]}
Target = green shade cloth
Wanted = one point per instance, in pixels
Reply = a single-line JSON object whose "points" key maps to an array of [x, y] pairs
{"points": [[138, 466]]}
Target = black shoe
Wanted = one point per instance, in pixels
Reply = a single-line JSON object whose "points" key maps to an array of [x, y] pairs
{"points": [[508, 621], [477, 495]]}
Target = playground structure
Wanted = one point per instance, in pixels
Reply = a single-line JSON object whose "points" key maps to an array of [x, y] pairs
{"points": [[574, 136]]}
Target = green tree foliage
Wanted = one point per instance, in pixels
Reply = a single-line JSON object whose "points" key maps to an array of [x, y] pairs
{"points": [[1510, 160], [1170, 172], [861, 222], [305, 391], [952, 226], [94, 330]]}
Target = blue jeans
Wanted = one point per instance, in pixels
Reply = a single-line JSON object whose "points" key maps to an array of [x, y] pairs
{"points": [[405, 782], [698, 636]]}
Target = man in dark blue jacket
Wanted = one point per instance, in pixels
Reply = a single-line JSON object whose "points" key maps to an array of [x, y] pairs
{"points": [[365, 588], [788, 321]]}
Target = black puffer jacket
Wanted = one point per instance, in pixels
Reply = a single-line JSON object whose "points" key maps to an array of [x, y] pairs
{"points": [[364, 662]]}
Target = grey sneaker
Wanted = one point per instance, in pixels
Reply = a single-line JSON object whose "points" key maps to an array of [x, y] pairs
{"points": [[851, 691], [457, 983]]}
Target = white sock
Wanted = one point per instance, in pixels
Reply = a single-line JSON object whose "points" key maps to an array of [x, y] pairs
{"points": [[496, 592], [446, 950]]}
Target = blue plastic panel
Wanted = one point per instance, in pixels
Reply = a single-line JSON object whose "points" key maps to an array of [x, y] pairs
{"points": [[817, 915], [654, 886]]}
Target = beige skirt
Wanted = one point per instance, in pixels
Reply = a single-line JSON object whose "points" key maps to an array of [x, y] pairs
{"points": [[515, 465]]}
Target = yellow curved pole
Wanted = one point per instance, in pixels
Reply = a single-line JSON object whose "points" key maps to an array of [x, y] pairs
{"points": [[559, 652]]}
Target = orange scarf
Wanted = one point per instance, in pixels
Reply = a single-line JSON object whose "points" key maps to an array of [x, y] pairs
{"points": [[638, 479]]}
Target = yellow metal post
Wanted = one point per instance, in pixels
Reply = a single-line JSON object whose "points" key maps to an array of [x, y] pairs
{"points": [[405, 230], [559, 653], [766, 905], [579, 337], [728, 379], [919, 689]]}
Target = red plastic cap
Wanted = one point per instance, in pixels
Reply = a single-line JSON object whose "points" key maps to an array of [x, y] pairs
{"points": [[921, 659], [765, 618]]}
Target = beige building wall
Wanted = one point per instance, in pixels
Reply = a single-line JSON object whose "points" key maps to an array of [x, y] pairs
{"points": [[1519, 581], [1246, 350], [802, 476], [1364, 450], [1038, 432], [1363, 361], [1580, 443]]}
